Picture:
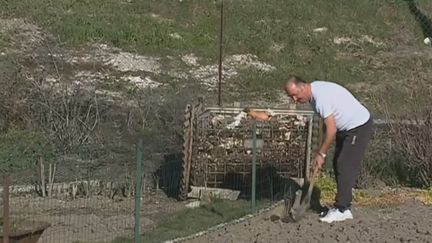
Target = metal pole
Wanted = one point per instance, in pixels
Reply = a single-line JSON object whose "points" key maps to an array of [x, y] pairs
{"points": [[254, 155], [138, 192], [271, 181], [6, 223], [220, 54]]}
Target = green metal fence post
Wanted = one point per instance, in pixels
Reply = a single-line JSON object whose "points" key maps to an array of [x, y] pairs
{"points": [[254, 155], [271, 182], [138, 192]]}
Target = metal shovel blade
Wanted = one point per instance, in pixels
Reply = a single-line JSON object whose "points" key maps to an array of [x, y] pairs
{"points": [[300, 206], [298, 211], [289, 204]]}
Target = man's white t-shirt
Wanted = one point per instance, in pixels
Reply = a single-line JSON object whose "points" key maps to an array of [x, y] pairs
{"points": [[331, 98]]}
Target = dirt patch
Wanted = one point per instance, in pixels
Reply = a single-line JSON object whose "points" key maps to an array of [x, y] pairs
{"points": [[208, 75], [23, 36], [404, 223], [91, 219], [115, 58]]}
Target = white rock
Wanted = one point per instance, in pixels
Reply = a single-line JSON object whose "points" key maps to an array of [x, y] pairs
{"points": [[190, 59], [176, 36], [342, 40], [428, 41], [194, 204], [321, 29]]}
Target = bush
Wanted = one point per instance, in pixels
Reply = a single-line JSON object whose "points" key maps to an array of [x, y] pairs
{"points": [[414, 140], [404, 152], [21, 149]]}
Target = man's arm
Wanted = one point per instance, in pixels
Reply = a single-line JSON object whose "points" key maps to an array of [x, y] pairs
{"points": [[330, 134]]}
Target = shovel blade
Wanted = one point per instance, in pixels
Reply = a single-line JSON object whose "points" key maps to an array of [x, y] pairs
{"points": [[298, 212], [297, 200], [297, 209], [300, 206]]}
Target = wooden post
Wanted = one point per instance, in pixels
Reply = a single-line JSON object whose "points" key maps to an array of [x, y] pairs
{"points": [[42, 176]]}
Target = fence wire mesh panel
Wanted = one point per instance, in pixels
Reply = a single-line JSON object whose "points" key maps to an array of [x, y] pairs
{"points": [[78, 205]]}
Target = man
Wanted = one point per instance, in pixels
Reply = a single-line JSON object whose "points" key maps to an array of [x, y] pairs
{"points": [[348, 122]]}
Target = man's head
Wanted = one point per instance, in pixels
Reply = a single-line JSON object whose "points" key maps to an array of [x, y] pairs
{"points": [[298, 90]]}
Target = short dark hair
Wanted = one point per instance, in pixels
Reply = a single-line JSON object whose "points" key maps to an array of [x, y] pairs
{"points": [[296, 79]]}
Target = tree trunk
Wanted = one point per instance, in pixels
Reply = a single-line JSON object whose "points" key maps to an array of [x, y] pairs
{"points": [[42, 176], [52, 171]]}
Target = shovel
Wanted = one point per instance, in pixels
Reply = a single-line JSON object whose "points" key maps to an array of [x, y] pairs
{"points": [[300, 206]]}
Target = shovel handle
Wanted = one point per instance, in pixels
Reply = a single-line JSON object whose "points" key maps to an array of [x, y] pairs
{"points": [[312, 180]]}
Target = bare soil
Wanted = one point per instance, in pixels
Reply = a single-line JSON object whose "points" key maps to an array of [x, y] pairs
{"points": [[409, 222], [96, 219]]}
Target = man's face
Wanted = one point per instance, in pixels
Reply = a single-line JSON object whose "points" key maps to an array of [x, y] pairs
{"points": [[297, 93]]}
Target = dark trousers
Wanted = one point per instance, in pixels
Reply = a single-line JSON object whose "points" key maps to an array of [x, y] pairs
{"points": [[349, 152]]}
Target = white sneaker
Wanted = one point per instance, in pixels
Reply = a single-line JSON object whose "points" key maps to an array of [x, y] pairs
{"points": [[335, 214]]}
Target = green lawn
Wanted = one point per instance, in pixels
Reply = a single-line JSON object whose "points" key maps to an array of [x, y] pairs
{"points": [[191, 221]]}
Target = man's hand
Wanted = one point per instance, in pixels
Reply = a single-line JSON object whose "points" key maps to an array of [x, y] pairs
{"points": [[318, 162]]}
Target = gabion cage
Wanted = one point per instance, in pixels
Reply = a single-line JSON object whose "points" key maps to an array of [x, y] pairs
{"points": [[218, 151]]}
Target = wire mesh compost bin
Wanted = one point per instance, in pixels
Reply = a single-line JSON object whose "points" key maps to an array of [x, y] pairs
{"points": [[218, 147]]}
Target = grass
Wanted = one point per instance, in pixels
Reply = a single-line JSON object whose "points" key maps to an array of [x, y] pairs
{"points": [[250, 27], [191, 221]]}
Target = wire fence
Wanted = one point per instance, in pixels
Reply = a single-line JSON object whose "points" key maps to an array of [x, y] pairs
{"points": [[83, 209], [92, 210]]}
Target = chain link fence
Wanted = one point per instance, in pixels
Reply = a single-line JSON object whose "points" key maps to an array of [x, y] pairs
{"points": [[72, 205]]}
